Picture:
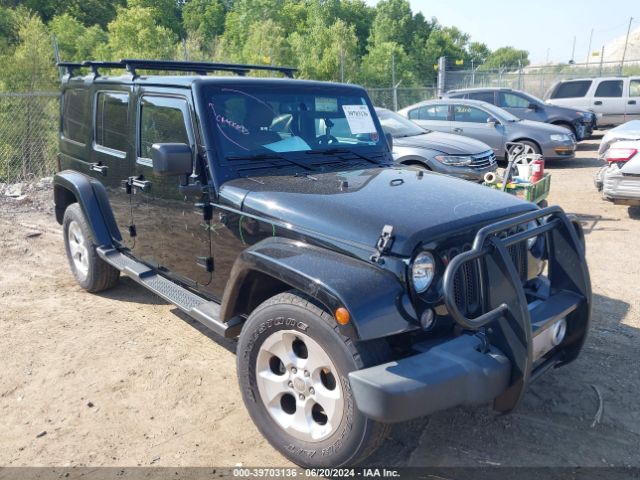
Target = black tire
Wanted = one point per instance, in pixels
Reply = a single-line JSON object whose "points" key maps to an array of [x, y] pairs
{"points": [[99, 274], [532, 144], [356, 436]]}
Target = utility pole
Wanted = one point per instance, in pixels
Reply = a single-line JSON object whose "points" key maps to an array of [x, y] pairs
{"points": [[601, 60], [548, 50], [626, 41], [341, 64], [589, 49], [573, 50], [393, 82]]}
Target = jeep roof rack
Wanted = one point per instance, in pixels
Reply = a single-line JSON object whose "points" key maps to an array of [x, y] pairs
{"points": [[200, 68]]}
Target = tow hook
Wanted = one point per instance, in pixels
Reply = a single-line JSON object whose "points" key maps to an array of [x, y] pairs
{"points": [[383, 244]]}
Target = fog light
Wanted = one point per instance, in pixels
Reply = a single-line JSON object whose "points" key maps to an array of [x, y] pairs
{"points": [[427, 319], [559, 330]]}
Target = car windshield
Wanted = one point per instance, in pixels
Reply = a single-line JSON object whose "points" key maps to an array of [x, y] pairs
{"points": [[397, 125], [260, 122]]}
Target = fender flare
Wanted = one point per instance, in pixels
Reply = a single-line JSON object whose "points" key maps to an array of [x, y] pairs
{"points": [[375, 298], [92, 198]]}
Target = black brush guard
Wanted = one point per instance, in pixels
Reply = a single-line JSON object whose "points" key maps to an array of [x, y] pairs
{"points": [[507, 322]]}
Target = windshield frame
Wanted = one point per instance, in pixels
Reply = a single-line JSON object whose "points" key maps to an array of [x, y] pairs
{"points": [[224, 169]]}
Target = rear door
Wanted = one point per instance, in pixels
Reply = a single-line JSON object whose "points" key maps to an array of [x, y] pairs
{"points": [[633, 100], [608, 101], [433, 117], [471, 121]]}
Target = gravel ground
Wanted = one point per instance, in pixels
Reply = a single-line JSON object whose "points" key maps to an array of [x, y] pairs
{"points": [[124, 379]]}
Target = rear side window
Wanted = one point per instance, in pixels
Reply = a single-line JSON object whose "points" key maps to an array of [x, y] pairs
{"points": [[74, 109], [483, 97], [511, 100], [112, 122], [575, 89], [634, 88], [465, 113], [430, 112], [609, 88], [162, 120]]}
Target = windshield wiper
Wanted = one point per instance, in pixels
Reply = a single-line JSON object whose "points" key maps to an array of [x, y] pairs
{"points": [[268, 156], [337, 151]]}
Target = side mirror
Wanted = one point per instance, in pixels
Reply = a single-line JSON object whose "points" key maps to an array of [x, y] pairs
{"points": [[492, 121], [171, 159], [533, 106], [389, 138]]}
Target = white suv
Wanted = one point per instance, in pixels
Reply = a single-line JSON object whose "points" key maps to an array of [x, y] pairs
{"points": [[614, 100]]}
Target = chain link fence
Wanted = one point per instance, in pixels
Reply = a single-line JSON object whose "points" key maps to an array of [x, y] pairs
{"points": [[535, 80], [403, 97], [28, 135]]}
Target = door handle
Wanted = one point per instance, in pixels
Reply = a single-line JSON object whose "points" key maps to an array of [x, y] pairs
{"points": [[631, 102], [597, 102], [457, 130], [143, 185], [97, 167]]}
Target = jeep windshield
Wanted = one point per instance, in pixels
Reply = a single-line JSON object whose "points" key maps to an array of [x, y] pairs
{"points": [[264, 122]]}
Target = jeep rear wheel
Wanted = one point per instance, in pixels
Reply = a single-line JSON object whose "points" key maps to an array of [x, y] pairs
{"points": [[293, 368], [90, 271]]}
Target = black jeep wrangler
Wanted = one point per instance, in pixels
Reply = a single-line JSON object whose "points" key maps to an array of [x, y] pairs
{"points": [[361, 292]]}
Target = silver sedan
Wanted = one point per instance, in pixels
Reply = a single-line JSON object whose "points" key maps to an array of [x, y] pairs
{"points": [[491, 125], [441, 152]]}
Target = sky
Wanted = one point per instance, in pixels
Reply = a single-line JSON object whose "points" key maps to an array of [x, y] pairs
{"points": [[545, 28]]}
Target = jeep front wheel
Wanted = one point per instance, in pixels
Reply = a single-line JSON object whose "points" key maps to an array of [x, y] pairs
{"points": [[293, 368]]}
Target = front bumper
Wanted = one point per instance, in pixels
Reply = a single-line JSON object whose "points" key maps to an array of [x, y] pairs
{"points": [[500, 352], [557, 150]]}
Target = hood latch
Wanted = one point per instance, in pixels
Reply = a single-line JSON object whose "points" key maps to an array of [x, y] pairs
{"points": [[383, 244]]}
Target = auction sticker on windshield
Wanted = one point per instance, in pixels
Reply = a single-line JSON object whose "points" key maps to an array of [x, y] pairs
{"points": [[326, 104], [359, 119]]}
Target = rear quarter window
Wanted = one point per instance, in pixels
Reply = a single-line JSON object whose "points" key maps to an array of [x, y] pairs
{"points": [[483, 97], [430, 112], [573, 89], [75, 103]]}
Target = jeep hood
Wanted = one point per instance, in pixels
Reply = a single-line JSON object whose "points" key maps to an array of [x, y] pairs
{"points": [[446, 143], [354, 206]]}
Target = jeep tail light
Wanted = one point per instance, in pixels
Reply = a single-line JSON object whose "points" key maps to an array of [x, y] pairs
{"points": [[614, 155]]}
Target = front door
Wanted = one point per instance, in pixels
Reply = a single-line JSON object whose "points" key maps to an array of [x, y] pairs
{"points": [[608, 101], [633, 101], [473, 122], [171, 233]]}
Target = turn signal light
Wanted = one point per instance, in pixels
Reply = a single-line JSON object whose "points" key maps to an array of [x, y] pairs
{"points": [[342, 315], [614, 155]]}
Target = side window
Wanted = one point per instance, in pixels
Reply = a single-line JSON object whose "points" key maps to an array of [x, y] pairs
{"points": [[609, 88], [162, 120], [483, 97], [574, 89], [430, 112], [511, 100], [634, 88], [465, 113], [74, 108], [416, 113], [112, 122]]}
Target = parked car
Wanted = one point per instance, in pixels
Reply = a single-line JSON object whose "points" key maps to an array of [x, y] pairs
{"points": [[491, 125], [614, 100], [361, 292], [441, 152], [619, 179], [528, 107]]}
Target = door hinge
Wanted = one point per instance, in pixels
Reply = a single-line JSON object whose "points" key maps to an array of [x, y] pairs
{"points": [[206, 263], [383, 245]]}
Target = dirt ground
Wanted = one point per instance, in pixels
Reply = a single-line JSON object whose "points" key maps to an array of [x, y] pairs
{"points": [[123, 379]]}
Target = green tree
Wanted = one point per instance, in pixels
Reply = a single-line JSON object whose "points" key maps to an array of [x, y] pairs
{"points": [[326, 52], [204, 19], [507, 57], [266, 44], [166, 13], [134, 34], [393, 23], [478, 53], [377, 65]]}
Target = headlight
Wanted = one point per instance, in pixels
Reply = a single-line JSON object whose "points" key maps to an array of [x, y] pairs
{"points": [[560, 137], [455, 160], [423, 269]]}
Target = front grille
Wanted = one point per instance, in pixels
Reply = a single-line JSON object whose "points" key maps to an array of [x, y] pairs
{"points": [[467, 285], [483, 160]]}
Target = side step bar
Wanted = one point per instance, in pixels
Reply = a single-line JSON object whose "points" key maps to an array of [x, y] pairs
{"points": [[200, 309]]}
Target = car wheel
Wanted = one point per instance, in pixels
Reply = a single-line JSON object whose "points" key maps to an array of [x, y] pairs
{"points": [[534, 146], [90, 271], [293, 367]]}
